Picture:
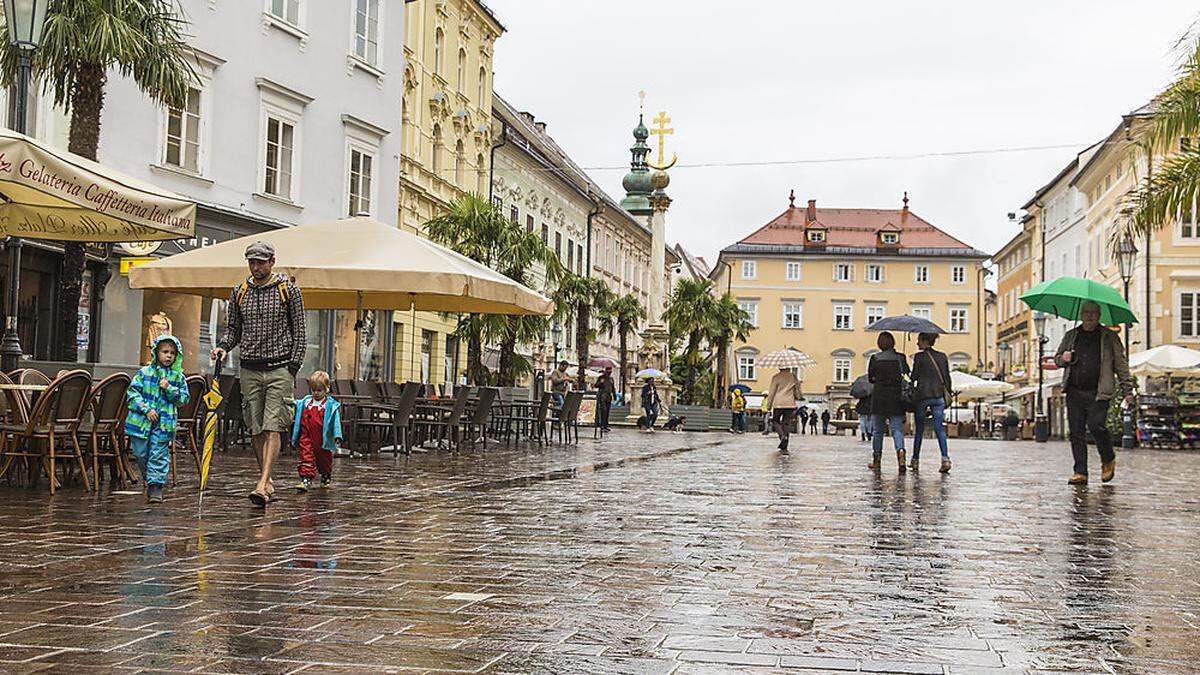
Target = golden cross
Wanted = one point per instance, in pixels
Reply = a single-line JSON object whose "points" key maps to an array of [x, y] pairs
{"points": [[661, 131]]}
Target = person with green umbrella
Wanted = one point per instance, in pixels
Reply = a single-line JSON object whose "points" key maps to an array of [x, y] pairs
{"points": [[1094, 366]]}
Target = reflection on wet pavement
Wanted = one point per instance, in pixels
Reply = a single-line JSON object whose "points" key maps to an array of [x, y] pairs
{"points": [[640, 554]]}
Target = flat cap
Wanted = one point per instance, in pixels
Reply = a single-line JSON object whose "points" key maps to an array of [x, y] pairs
{"points": [[260, 250]]}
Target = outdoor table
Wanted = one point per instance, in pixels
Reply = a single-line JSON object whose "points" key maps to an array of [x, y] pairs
{"points": [[24, 387]]}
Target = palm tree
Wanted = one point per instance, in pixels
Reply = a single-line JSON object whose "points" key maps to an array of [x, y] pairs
{"points": [[81, 42], [689, 313], [729, 322], [1172, 187], [577, 298], [518, 251], [625, 314]]}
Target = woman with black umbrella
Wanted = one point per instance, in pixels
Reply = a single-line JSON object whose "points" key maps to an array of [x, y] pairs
{"points": [[886, 371]]}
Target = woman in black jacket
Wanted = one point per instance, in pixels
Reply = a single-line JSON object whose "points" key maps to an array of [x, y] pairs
{"points": [[887, 370], [931, 390]]}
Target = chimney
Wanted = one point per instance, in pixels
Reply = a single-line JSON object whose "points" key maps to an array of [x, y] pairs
{"points": [[541, 126], [811, 214], [528, 116]]}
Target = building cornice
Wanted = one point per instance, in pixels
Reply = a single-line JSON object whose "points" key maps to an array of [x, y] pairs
{"points": [[842, 251]]}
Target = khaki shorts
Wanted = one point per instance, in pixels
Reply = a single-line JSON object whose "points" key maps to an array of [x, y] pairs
{"points": [[268, 402]]}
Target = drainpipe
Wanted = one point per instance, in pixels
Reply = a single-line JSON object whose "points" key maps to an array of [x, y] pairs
{"points": [[492, 166], [587, 266]]}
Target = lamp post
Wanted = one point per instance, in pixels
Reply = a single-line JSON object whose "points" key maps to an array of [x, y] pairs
{"points": [[1002, 352], [1126, 252], [1041, 426], [556, 335], [25, 20]]}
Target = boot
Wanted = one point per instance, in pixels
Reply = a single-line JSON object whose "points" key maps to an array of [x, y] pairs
{"points": [[900, 460], [1078, 479], [915, 463], [874, 465], [945, 466], [1108, 470]]}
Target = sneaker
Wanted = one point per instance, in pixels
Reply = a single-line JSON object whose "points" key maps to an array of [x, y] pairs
{"points": [[304, 484], [325, 481], [945, 466], [154, 494], [1108, 470], [1077, 479]]}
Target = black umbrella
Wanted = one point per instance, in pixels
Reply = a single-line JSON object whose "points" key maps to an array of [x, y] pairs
{"points": [[905, 324], [862, 387]]}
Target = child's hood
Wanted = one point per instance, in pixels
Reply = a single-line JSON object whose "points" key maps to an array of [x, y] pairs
{"points": [[177, 365]]}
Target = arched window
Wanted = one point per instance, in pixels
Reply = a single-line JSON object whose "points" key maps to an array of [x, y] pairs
{"points": [[437, 151], [462, 69], [479, 166], [438, 39], [458, 164], [482, 86]]}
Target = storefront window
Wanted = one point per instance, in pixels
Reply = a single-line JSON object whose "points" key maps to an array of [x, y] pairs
{"points": [[370, 347], [427, 338]]}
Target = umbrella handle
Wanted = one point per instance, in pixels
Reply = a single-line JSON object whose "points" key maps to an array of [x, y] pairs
{"points": [[217, 369]]}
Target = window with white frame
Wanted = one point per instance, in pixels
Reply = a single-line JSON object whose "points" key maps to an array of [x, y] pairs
{"points": [[1189, 314], [750, 307], [792, 271], [280, 151], [439, 46], [746, 367], [843, 272], [921, 274], [875, 273], [287, 11], [481, 86], [958, 319], [182, 139], [462, 71], [843, 317], [891, 238], [958, 274], [361, 172], [793, 315], [366, 31], [923, 312], [841, 370], [816, 236], [749, 269], [1187, 223], [874, 313]]}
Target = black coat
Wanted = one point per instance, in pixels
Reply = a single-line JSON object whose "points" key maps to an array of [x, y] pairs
{"points": [[931, 375], [887, 371]]}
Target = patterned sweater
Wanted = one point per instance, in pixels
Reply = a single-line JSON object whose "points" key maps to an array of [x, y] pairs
{"points": [[144, 395], [270, 334]]}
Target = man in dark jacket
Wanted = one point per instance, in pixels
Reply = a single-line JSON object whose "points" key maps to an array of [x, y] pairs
{"points": [[266, 320], [605, 391], [825, 416], [1094, 370]]}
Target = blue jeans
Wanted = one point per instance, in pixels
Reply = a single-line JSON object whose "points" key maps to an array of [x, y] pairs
{"points": [[559, 398], [936, 406], [864, 426], [153, 456], [651, 416], [739, 421], [877, 423]]}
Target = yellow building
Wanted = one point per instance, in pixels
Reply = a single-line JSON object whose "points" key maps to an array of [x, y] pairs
{"points": [[447, 127], [815, 278], [1017, 365]]}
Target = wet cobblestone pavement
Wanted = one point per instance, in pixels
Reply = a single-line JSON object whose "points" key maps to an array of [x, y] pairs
{"points": [[642, 553]]}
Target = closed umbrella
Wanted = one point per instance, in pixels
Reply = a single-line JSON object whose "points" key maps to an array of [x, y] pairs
{"points": [[1064, 296], [212, 405], [787, 358], [862, 387]]}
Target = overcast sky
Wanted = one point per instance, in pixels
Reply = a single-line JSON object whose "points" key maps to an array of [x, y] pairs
{"points": [[785, 80]]}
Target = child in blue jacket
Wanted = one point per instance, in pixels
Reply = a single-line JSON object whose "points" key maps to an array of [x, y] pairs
{"points": [[154, 396], [316, 431]]}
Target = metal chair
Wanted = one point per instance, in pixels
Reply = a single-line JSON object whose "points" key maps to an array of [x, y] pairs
{"points": [[478, 419], [56, 415], [568, 418], [104, 432]]}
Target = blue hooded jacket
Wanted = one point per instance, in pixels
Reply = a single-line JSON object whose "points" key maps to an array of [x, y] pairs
{"points": [[331, 426], [145, 395]]}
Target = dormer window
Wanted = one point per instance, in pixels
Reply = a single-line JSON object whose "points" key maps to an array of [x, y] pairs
{"points": [[891, 238], [816, 236]]}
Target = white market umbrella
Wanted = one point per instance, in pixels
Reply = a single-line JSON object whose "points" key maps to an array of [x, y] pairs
{"points": [[969, 387], [1165, 360], [787, 358]]}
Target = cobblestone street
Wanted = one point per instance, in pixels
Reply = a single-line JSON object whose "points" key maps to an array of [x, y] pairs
{"points": [[656, 553]]}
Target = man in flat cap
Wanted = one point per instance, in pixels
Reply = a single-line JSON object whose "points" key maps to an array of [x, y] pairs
{"points": [[266, 320]]}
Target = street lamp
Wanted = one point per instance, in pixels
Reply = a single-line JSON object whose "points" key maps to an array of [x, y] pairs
{"points": [[1126, 252], [25, 20], [556, 335], [1002, 351], [1041, 427]]}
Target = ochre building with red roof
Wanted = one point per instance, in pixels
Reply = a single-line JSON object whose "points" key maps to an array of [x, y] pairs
{"points": [[813, 278]]}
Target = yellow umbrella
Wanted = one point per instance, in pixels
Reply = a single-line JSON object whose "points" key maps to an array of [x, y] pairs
{"points": [[354, 263], [52, 194], [212, 404]]}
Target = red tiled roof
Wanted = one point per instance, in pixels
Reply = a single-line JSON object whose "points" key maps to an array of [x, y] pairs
{"points": [[854, 228]]}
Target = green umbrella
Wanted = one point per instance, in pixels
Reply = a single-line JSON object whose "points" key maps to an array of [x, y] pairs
{"points": [[1063, 297]]}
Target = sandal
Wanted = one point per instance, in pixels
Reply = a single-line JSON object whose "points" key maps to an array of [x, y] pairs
{"points": [[259, 499]]}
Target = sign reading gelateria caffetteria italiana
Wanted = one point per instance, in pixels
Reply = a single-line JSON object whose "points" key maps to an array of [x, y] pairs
{"points": [[50, 194]]}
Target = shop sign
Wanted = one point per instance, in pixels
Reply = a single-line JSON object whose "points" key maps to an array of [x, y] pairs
{"points": [[130, 263], [140, 248]]}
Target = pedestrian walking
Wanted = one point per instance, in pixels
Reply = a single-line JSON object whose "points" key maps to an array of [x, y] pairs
{"points": [[781, 399], [1095, 366], [825, 417], [737, 405], [931, 391], [606, 389], [887, 370], [154, 397], [650, 403], [802, 414], [266, 321], [863, 410], [559, 383], [812, 422], [316, 432]]}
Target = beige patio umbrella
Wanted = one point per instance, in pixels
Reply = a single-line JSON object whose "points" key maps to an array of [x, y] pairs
{"points": [[355, 263], [53, 194]]}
